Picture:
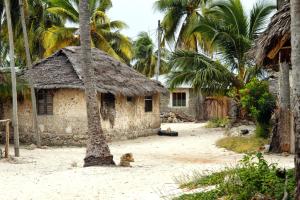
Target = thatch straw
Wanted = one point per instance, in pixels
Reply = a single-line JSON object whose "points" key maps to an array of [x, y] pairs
{"points": [[277, 31], [63, 70]]}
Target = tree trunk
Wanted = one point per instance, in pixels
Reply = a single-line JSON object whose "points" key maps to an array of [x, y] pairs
{"points": [[284, 122], [295, 57], [97, 152], [199, 106], [29, 65], [13, 78]]}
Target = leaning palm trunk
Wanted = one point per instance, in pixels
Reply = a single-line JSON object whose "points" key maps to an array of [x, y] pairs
{"points": [[97, 152], [13, 78], [295, 42], [284, 123], [29, 64]]}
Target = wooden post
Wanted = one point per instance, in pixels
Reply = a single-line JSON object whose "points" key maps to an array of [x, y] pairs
{"points": [[6, 121], [7, 139]]}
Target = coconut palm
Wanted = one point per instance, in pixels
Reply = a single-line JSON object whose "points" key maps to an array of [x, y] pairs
{"points": [[38, 20], [13, 78], [105, 33], [145, 57], [29, 64], [231, 32], [180, 17], [295, 42], [97, 152]]}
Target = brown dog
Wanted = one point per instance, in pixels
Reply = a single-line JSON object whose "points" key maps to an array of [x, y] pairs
{"points": [[126, 159]]}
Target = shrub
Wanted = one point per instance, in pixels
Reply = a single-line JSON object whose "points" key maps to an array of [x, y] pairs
{"points": [[259, 103], [252, 176], [218, 122]]}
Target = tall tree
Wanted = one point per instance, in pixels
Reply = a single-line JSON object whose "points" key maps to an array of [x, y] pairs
{"points": [[295, 57], [29, 65], [97, 152], [145, 56], [180, 17], [105, 34], [13, 78], [232, 32]]}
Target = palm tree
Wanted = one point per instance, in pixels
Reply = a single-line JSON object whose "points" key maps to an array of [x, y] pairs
{"points": [[13, 78], [180, 17], [145, 57], [38, 21], [295, 57], [231, 32], [105, 33], [97, 152], [200, 71], [29, 64]]}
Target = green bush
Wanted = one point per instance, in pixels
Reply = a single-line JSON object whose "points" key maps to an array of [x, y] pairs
{"points": [[218, 122], [252, 176], [260, 104]]}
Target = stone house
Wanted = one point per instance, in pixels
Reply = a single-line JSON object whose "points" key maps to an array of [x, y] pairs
{"points": [[128, 101], [180, 100], [184, 100]]}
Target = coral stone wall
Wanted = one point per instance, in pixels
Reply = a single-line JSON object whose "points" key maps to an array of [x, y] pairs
{"points": [[68, 124], [189, 109]]}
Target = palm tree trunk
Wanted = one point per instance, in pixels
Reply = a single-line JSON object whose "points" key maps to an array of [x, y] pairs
{"points": [[199, 106], [97, 152], [295, 57], [13, 78], [284, 122], [29, 65]]}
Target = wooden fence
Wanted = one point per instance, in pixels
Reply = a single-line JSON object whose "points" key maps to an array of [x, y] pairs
{"points": [[216, 107]]}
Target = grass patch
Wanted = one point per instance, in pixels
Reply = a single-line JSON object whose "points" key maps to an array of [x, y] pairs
{"points": [[218, 123], [251, 177], [242, 144], [201, 180], [210, 195]]}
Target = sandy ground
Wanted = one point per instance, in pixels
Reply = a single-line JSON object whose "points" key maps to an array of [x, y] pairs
{"points": [[49, 174]]}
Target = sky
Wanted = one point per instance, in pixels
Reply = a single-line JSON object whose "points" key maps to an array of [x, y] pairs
{"points": [[139, 15]]}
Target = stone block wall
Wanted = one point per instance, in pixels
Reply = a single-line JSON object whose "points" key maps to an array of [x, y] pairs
{"points": [[68, 124], [190, 109]]}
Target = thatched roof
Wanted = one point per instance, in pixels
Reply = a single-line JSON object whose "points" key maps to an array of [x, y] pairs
{"points": [[276, 36], [63, 70]]}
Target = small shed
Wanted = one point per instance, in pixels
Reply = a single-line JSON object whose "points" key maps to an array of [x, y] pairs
{"points": [[128, 101]]}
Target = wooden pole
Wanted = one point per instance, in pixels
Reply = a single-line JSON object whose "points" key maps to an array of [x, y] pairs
{"points": [[157, 67], [7, 139]]}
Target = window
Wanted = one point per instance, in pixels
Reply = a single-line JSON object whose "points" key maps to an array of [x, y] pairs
{"points": [[130, 99], [148, 104], [45, 102], [179, 99]]}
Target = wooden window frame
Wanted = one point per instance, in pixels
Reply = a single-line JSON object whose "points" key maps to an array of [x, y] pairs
{"points": [[44, 99], [179, 99], [148, 104]]}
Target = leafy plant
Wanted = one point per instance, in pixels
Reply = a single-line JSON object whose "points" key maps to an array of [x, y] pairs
{"points": [[218, 122], [260, 104], [254, 175]]}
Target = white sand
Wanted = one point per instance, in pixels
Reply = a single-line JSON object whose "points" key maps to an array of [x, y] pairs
{"points": [[48, 173]]}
